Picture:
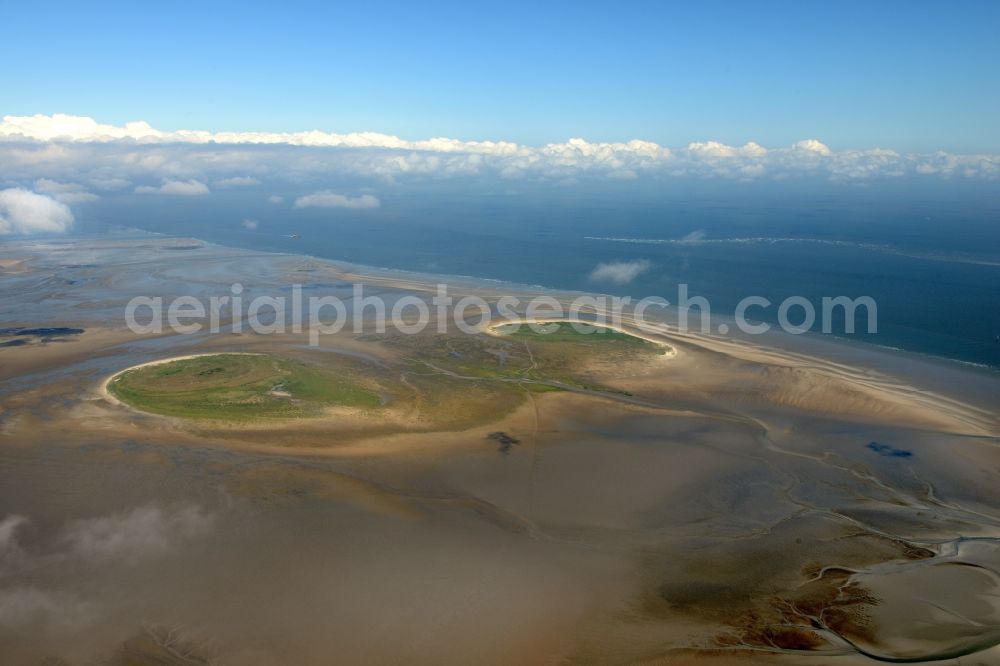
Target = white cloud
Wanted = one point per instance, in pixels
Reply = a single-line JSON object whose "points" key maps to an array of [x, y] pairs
{"points": [[61, 126], [26, 212], [753, 149], [813, 146], [694, 237], [328, 199], [250, 224], [137, 537], [145, 531], [79, 149], [67, 193], [186, 188], [10, 550], [237, 181], [620, 272], [75, 197], [714, 149], [110, 183], [27, 607], [24, 605], [275, 199], [8, 531]]}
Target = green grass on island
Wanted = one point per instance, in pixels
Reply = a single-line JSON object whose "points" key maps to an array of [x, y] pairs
{"points": [[578, 333], [517, 360], [239, 387]]}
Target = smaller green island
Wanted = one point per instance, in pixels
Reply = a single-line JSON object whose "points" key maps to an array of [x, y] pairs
{"points": [[239, 387], [578, 333]]}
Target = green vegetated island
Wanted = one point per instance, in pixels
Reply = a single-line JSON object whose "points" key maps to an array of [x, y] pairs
{"points": [[238, 386], [448, 378], [577, 333]]}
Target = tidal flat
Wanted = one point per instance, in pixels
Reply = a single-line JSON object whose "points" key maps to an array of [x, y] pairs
{"points": [[496, 497]]}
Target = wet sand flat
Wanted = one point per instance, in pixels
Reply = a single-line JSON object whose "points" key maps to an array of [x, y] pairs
{"points": [[727, 503]]}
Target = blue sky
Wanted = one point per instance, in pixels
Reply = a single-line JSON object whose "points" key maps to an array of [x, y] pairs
{"points": [[906, 75]]}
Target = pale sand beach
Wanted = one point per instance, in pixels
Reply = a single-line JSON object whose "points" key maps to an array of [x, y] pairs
{"points": [[668, 351]]}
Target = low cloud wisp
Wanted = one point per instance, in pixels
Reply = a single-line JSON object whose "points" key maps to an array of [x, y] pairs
{"points": [[184, 188], [619, 272], [142, 532]]}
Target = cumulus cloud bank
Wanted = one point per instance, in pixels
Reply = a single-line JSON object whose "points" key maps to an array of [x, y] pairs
{"points": [[63, 127], [328, 199], [619, 272], [26, 212], [136, 150]]}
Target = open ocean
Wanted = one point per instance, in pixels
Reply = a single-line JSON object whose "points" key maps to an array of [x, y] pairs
{"points": [[932, 265]]}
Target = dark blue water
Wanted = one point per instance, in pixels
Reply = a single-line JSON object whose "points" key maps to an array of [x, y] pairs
{"points": [[930, 259]]}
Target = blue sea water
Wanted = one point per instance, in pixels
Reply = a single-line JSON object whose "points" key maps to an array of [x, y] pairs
{"points": [[931, 260]]}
